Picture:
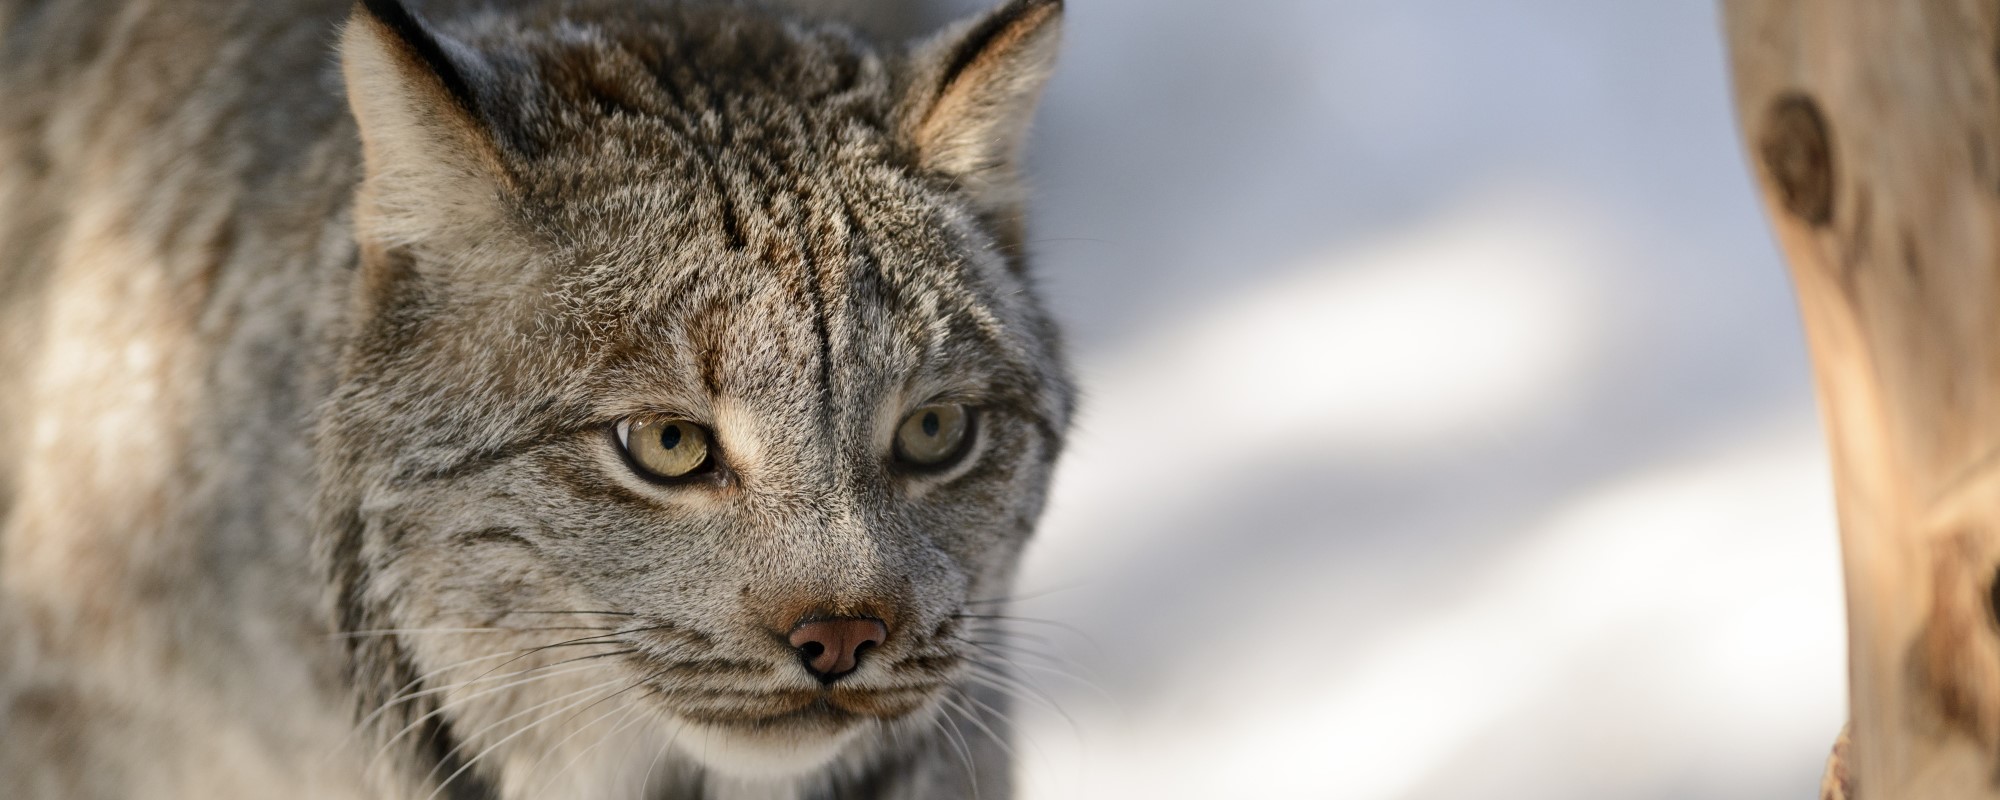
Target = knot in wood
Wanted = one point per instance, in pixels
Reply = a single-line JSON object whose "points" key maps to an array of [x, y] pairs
{"points": [[1797, 154], [1993, 600]]}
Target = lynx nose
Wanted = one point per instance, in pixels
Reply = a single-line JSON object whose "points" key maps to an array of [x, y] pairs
{"points": [[831, 648]]}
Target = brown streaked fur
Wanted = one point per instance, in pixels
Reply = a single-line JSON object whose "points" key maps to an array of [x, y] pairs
{"points": [[314, 324]]}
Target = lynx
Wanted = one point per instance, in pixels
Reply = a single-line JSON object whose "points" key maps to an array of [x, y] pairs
{"points": [[608, 398]]}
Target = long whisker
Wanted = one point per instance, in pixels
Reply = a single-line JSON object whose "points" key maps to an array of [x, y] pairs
{"points": [[985, 675], [1020, 598], [490, 748], [473, 737], [995, 672], [404, 693], [956, 741], [573, 734], [408, 631], [999, 715], [634, 685], [997, 679], [624, 723], [1044, 663], [604, 613], [580, 642], [481, 678], [1064, 626], [1013, 635], [646, 786], [629, 708], [973, 717], [458, 701], [398, 698], [1015, 642], [1013, 692]]}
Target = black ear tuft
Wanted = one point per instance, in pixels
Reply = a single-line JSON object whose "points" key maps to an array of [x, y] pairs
{"points": [[989, 29], [434, 167], [425, 47], [975, 87]]}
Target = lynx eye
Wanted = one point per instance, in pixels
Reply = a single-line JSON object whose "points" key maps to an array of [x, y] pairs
{"points": [[934, 435], [663, 447]]}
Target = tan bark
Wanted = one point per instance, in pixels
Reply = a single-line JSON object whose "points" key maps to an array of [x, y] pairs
{"points": [[1874, 129]]}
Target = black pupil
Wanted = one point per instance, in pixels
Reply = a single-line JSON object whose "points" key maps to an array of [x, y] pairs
{"points": [[670, 437], [930, 423]]}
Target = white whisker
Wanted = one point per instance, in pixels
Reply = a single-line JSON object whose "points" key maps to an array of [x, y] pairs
{"points": [[407, 631], [483, 692], [956, 739], [973, 717], [496, 745], [1049, 665], [624, 723], [1003, 717], [601, 716], [986, 675], [474, 736]]}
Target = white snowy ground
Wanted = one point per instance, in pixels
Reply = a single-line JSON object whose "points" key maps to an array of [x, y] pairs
{"points": [[1448, 430]]}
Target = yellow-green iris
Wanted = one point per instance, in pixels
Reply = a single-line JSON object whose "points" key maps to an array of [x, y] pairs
{"points": [[933, 435], [665, 447]]}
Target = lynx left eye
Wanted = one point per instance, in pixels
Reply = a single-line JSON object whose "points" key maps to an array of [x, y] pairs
{"points": [[934, 435], [664, 447]]}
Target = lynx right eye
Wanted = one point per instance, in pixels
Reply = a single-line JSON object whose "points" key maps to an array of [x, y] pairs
{"points": [[933, 436], [665, 448]]}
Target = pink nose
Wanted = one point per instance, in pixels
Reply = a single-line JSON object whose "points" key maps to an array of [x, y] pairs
{"points": [[831, 648]]}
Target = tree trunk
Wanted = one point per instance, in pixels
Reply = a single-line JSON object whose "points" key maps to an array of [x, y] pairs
{"points": [[1874, 128]]}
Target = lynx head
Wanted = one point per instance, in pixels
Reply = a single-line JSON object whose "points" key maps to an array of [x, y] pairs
{"points": [[692, 374]]}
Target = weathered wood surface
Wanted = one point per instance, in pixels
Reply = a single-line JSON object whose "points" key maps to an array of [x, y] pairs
{"points": [[1874, 129]]}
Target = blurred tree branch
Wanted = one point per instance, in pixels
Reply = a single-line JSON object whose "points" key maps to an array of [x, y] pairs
{"points": [[1874, 128]]}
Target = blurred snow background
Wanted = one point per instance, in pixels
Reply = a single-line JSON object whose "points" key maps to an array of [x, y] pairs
{"points": [[1448, 430]]}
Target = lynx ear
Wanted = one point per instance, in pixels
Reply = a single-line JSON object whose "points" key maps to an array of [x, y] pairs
{"points": [[975, 92], [432, 168]]}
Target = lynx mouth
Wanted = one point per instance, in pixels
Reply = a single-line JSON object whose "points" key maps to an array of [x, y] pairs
{"points": [[820, 714], [827, 710], [801, 732]]}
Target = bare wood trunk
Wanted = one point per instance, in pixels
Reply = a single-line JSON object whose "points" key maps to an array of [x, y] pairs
{"points": [[1874, 127]]}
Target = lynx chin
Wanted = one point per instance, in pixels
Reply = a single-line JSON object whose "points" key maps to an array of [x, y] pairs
{"points": [[541, 399]]}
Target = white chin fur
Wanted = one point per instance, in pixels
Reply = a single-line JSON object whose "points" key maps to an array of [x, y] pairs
{"points": [[761, 755]]}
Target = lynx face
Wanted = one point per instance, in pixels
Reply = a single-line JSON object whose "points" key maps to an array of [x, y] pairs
{"points": [[693, 383]]}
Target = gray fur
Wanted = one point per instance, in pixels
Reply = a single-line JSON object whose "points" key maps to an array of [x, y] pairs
{"points": [[307, 459]]}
